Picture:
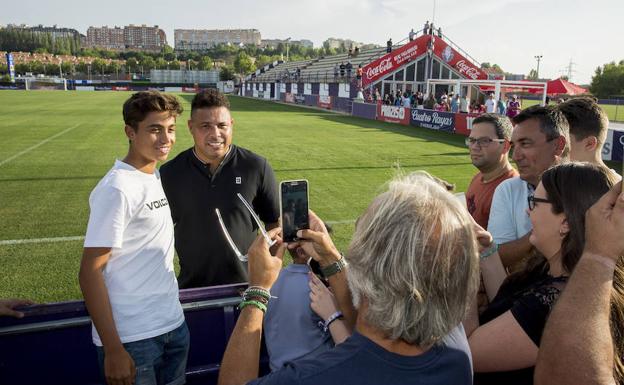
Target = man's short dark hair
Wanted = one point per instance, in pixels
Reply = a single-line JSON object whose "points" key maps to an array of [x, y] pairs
{"points": [[140, 104], [209, 98], [551, 120], [502, 124], [586, 118]]}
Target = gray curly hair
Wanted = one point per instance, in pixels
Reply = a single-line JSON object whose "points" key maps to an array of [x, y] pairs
{"points": [[413, 260]]}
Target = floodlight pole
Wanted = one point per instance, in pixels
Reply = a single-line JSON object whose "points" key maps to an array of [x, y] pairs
{"points": [[538, 58]]}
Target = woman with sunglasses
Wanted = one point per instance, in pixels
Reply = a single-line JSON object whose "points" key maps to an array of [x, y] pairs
{"points": [[505, 338]]}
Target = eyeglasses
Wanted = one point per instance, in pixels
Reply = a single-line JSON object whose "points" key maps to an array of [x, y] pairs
{"points": [[482, 142], [239, 255], [533, 199]]}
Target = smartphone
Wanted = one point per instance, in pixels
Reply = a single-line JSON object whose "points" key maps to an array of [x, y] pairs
{"points": [[294, 208]]}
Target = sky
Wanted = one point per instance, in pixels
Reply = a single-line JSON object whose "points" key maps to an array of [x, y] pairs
{"points": [[509, 33]]}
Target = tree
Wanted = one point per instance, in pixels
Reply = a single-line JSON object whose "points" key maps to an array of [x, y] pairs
{"points": [[608, 80], [67, 68], [161, 63], [98, 65], [132, 64], [227, 72], [532, 75], [147, 63], [205, 63], [243, 64]]}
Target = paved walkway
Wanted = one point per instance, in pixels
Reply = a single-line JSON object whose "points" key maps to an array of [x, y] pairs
{"points": [[616, 126]]}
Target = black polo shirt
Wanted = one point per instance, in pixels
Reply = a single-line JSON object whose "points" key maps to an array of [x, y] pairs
{"points": [[206, 258]]}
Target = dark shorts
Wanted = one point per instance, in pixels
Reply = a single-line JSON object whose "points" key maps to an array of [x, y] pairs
{"points": [[159, 360]]}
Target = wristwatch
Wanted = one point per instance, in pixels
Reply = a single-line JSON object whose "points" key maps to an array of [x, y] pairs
{"points": [[334, 268]]}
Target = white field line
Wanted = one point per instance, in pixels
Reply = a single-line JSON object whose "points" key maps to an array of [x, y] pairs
{"points": [[40, 240], [7, 160], [8, 242]]}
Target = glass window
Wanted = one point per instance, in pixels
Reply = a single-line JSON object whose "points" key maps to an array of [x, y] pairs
{"points": [[445, 73], [389, 78], [399, 75], [409, 72], [454, 75], [420, 71], [435, 73], [386, 89]]}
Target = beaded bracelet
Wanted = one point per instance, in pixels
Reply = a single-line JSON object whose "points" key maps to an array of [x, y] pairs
{"points": [[255, 291], [262, 300], [325, 325], [257, 304]]}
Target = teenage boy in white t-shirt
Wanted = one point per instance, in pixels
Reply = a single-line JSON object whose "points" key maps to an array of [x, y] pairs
{"points": [[126, 273]]}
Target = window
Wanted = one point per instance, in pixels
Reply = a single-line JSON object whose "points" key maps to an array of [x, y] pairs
{"points": [[445, 73], [399, 75], [420, 71], [409, 72], [435, 73]]}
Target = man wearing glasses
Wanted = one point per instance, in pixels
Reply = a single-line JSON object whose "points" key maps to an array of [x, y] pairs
{"points": [[209, 176], [489, 143], [540, 139]]}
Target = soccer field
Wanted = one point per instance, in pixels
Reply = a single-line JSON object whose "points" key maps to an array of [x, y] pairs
{"points": [[57, 145]]}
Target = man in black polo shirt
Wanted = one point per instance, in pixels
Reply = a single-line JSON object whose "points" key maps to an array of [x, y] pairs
{"points": [[208, 176]]}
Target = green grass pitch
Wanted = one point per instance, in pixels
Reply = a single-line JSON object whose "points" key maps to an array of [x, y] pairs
{"points": [[57, 145]]}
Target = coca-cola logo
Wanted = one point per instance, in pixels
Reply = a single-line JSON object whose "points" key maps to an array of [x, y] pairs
{"points": [[383, 66], [448, 54], [467, 69], [393, 112]]}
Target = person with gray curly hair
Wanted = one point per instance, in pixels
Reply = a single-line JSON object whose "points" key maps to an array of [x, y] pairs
{"points": [[411, 267]]}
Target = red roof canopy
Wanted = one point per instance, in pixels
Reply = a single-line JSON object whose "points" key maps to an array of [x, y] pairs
{"points": [[564, 87]]}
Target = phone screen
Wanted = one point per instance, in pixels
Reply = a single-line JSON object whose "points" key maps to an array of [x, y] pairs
{"points": [[294, 208]]}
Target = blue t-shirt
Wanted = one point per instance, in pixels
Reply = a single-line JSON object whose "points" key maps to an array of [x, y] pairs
{"points": [[360, 361], [291, 328]]}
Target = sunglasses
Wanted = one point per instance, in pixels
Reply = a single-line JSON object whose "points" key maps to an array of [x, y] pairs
{"points": [[243, 257]]}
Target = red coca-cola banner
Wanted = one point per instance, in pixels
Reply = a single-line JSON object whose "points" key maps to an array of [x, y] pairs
{"points": [[457, 61], [393, 114], [392, 61], [407, 53]]}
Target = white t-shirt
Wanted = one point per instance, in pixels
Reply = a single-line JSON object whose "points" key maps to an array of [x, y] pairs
{"points": [[508, 214], [490, 105], [130, 214]]}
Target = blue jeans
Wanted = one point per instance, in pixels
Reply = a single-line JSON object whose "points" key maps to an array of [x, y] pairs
{"points": [[159, 360]]}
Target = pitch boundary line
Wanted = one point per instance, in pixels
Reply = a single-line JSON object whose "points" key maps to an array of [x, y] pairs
{"points": [[7, 160]]}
